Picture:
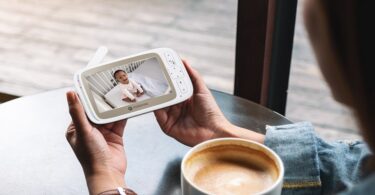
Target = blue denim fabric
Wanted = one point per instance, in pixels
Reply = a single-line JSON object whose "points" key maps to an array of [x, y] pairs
{"points": [[313, 166]]}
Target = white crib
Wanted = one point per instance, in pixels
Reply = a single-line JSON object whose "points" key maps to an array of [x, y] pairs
{"points": [[101, 83]]}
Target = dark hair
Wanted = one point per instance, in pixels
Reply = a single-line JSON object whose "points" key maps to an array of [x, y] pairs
{"points": [[352, 38], [117, 71]]}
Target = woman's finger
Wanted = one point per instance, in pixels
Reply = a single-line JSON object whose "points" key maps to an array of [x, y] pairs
{"points": [[69, 134], [196, 79], [70, 131], [77, 113]]}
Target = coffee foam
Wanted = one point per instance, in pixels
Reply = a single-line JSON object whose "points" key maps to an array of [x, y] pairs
{"points": [[231, 169]]}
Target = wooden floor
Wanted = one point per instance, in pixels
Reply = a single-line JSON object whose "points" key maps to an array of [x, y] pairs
{"points": [[44, 42]]}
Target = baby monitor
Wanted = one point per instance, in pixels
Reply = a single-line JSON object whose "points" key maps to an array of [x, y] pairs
{"points": [[133, 85]]}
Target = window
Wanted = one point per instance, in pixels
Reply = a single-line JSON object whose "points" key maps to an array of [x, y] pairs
{"points": [[44, 42]]}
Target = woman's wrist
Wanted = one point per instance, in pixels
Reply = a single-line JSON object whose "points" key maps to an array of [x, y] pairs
{"points": [[230, 130], [103, 180]]}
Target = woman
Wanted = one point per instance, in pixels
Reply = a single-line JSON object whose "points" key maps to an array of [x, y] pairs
{"points": [[341, 41]]}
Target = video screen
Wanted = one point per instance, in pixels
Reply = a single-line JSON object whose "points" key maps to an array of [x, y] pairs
{"points": [[128, 86]]}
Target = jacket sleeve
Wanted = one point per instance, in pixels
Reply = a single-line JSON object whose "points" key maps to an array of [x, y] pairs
{"points": [[312, 165]]}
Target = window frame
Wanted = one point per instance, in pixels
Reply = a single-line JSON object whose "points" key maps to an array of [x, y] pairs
{"points": [[264, 43]]}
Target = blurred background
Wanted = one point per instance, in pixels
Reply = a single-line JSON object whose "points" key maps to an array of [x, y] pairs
{"points": [[42, 44]]}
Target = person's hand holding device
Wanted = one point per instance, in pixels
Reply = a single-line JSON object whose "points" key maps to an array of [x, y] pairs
{"points": [[110, 93], [156, 80], [199, 118], [99, 148], [133, 85]]}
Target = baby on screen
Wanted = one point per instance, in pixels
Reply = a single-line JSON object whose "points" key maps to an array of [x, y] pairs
{"points": [[128, 87]]}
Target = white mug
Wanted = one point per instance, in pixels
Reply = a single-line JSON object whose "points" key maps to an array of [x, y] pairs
{"points": [[203, 156]]}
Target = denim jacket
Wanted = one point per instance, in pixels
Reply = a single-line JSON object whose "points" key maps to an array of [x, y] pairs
{"points": [[313, 166]]}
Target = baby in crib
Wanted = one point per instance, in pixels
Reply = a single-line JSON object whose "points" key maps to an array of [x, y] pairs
{"points": [[129, 88]]}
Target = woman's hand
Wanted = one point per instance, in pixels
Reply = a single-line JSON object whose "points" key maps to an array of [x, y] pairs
{"points": [[199, 118], [99, 148]]}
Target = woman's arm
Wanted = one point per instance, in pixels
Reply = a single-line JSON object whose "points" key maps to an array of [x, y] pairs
{"points": [[312, 165]]}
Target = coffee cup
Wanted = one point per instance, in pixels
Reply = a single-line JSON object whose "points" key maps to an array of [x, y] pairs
{"points": [[231, 166]]}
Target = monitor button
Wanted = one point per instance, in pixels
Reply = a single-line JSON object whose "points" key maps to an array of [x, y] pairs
{"points": [[181, 86], [170, 59], [173, 74], [176, 72]]}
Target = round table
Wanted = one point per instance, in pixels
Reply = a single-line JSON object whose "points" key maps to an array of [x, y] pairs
{"points": [[37, 159]]}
